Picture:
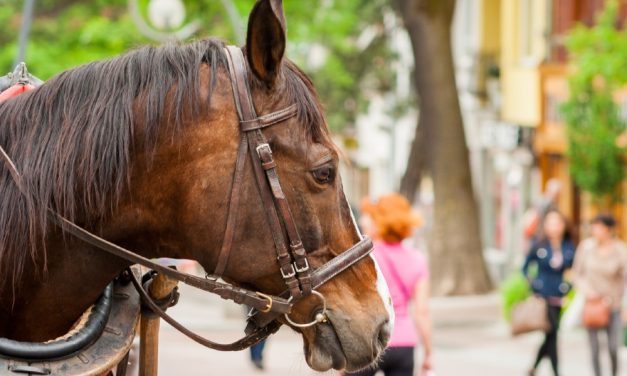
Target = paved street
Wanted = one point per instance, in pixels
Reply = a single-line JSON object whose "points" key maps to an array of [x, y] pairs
{"points": [[470, 339]]}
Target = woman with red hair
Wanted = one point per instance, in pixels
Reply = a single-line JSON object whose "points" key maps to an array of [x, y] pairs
{"points": [[390, 221]]}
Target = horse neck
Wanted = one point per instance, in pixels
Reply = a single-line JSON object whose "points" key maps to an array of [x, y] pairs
{"points": [[153, 220], [45, 306]]}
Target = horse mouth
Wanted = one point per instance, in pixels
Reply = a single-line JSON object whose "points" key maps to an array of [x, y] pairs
{"points": [[336, 345], [326, 351]]}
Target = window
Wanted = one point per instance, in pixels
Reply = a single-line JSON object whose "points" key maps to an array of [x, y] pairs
{"points": [[533, 30]]}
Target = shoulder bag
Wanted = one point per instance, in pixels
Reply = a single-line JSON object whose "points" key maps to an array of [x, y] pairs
{"points": [[530, 315], [596, 313]]}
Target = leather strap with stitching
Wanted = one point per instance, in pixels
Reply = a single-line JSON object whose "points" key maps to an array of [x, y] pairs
{"points": [[246, 111], [319, 277], [225, 290], [231, 220], [268, 120], [301, 264], [243, 343]]}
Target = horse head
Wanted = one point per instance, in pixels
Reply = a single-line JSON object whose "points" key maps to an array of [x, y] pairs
{"points": [[143, 150]]}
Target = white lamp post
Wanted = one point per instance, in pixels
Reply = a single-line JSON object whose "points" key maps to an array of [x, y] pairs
{"points": [[166, 17], [166, 14]]}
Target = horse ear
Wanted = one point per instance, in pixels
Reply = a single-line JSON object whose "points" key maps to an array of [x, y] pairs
{"points": [[265, 41]]}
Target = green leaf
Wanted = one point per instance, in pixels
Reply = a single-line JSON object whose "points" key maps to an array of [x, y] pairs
{"points": [[67, 33], [599, 56]]}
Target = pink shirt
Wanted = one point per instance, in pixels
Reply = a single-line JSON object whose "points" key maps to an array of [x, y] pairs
{"points": [[403, 268]]}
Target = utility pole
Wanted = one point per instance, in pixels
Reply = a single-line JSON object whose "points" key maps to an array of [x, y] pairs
{"points": [[236, 21], [27, 20]]}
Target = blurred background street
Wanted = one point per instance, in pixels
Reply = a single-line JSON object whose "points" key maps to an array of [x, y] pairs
{"points": [[475, 343], [483, 114], [471, 339]]}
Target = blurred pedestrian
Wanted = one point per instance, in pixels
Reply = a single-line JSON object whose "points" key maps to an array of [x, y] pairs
{"points": [[552, 254], [256, 354], [366, 222], [256, 350], [532, 219], [600, 268], [390, 221]]}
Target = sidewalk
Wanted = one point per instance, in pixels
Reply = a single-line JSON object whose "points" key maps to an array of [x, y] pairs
{"points": [[470, 338]]}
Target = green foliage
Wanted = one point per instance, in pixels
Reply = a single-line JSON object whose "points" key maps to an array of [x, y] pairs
{"points": [[350, 72], [568, 300], [67, 33], [514, 290], [594, 123], [66, 36]]}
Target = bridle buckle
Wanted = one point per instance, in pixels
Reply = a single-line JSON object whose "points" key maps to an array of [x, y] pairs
{"points": [[289, 274], [304, 268], [268, 306], [264, 146]]}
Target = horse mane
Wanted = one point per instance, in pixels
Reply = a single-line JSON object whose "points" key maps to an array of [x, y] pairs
{"points": [[73, 138]]}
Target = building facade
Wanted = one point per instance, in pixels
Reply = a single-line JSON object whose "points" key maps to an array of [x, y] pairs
{"points": [[550, 141]]}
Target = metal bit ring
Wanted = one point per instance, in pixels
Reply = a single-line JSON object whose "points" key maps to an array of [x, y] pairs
{"points": [[320, 316]]}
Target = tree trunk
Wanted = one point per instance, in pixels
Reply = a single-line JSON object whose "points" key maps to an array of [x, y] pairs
{"points": [[415, 168], [455, 250]]}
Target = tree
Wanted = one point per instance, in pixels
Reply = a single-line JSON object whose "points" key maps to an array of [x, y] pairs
{"points": [[456, 257], [67, 33], [416, 166], [594, 123]]}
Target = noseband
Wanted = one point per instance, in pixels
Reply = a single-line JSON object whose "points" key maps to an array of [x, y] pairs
{"points": [[301, 280]]}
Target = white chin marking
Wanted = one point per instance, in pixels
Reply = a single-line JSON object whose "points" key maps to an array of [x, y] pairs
{"points": [[320, 362], [382, 286], [384, 292]]}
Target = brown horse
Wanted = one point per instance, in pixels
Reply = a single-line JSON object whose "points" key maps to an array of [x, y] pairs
{"points": [[141, 150]]}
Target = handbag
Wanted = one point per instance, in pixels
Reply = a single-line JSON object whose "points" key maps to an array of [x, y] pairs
{"points": [[530, 315], [596, 313], [573, 316]]}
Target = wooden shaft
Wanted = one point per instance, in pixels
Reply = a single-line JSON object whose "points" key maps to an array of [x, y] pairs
{"points": [[160, 288]]}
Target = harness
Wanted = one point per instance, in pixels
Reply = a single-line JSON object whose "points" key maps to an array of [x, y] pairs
{"points": [[301, 280]]}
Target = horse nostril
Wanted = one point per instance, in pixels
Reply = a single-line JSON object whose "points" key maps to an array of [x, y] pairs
{"points": [[383, 336]]}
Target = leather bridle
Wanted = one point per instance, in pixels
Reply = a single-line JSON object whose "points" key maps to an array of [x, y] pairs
{"points": [[295, 269]]}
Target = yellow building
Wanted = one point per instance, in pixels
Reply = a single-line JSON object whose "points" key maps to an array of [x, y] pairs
{"points": [[498, 119], [524, 29], [534, 83]]}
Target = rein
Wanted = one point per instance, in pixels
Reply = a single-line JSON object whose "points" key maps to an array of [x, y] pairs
{"points": [[295, 269]]}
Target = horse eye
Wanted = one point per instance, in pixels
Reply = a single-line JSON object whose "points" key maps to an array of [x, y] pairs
{"points": [[324, 174]]}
